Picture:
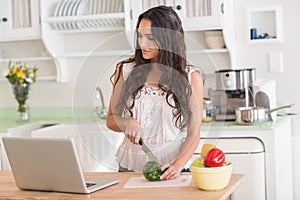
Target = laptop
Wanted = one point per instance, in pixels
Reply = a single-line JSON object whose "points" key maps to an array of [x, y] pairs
{"points": [[49, 164]]}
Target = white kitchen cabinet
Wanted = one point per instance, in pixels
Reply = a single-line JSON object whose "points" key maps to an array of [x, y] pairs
{"points": [[62, 26], [31, 52], [20, 38], [92, 33], [197, 18], [88, 36], [195, 14], [19, 20]]}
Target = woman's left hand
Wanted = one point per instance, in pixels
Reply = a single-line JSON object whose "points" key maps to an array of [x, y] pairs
{"points": [[170, 172]]}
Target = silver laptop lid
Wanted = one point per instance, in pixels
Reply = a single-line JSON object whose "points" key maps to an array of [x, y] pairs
{"points": [[46, 164]]}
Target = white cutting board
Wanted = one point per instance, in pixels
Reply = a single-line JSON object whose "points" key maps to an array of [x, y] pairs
{"points": [[141, 182]]}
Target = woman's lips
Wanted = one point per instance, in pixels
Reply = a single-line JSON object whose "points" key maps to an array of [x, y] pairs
{"points": [[145, 51]]}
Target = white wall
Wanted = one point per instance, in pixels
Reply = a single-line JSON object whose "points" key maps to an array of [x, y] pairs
{"points": [[256, 55]]}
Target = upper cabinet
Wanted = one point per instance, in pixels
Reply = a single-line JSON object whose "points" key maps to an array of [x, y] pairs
{"points": [[195, 14], [73, 28], [19, 20], [20, 38], [84, 31], [104, 29], [71, 16], [208, 27]]}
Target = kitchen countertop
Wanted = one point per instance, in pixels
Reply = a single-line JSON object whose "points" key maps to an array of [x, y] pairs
{"points": [[57, 115], [47, 116], [8, 189]]}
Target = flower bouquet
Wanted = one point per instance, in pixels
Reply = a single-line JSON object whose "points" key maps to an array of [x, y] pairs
{"points": [[21, 77]]}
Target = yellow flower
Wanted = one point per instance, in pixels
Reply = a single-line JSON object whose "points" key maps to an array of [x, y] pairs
{"points": [[20, 74]]}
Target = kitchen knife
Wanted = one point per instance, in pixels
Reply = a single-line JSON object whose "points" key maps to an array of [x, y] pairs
{"points": [[148, 151]]}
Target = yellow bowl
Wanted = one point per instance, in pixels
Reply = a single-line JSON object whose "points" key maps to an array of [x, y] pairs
{"points": [[212, 178]]}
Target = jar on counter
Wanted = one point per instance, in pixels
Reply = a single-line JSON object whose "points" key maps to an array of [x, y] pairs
{"points": [[208, 110]]}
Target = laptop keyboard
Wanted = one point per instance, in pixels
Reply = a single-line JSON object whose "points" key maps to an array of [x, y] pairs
{"points": [[90, 184]]}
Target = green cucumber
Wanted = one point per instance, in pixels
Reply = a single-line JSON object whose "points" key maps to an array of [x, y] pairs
{"points": [[152, 171]]}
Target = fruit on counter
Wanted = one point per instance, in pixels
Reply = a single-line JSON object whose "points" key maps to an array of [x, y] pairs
{"points": [[206, 148], [214, 158], [198, 162], [152, 171]]}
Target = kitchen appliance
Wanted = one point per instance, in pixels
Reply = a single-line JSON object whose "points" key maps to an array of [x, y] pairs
{"points": [[264, 92], [233, 89], [208, 110]]}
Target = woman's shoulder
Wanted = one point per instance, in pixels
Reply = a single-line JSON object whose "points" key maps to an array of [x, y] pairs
{"points": [[190, 69], [127, 68]]}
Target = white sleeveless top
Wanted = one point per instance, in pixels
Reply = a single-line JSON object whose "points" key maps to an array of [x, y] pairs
{"points": [[156, 118]]}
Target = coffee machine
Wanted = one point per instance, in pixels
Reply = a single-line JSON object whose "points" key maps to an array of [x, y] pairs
{"points": [[234, 88]]}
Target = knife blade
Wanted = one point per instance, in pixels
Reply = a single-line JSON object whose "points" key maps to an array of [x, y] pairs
{"points": [[147, 150]]}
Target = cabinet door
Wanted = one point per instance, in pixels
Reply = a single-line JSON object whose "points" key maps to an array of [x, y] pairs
{"points": [[136, 7], [200, 14], [195, 14], [19, 20]]}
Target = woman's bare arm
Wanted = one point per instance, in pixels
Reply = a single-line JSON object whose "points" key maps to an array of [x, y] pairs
{"points": [[193, 129], [115, 121]]}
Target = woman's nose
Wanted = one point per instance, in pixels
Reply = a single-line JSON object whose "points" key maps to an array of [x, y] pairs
{"points": [[143, 42]]}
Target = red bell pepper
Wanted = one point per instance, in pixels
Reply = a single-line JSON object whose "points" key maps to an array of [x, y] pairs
{"points": [[214, 158]]}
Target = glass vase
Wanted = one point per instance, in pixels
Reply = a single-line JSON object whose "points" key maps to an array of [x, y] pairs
{"points": [[21, 92], [23, 113]]}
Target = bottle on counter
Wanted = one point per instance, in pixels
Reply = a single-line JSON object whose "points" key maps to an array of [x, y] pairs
{"points": [[208, 110]]}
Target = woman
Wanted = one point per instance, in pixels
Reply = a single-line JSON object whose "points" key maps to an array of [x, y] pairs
{"points": [[157, 96]]}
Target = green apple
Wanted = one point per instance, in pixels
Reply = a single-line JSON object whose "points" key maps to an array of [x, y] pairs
{"points": [[199, 162]]}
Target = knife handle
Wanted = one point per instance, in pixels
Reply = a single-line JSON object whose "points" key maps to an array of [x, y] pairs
{"points": [[140, 141]]}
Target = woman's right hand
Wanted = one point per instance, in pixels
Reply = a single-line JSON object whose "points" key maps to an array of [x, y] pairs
{"points": [[133, 131]]}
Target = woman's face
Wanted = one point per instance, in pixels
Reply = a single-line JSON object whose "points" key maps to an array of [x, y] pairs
{"points": [[146, 41]]}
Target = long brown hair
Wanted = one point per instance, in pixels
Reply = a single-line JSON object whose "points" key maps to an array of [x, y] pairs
{"points": [[169, 37]]}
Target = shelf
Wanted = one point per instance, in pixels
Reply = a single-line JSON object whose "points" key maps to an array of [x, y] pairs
{"points": [[87, 23], [84, 17], [97, 54], [207, 51], [129, 52], [24, 59], [47, 78], [264, 25], [44, 78], [39, 61], [265, 41]]}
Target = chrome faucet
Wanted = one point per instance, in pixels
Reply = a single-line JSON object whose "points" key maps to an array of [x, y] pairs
{"points": [[103, 111]]}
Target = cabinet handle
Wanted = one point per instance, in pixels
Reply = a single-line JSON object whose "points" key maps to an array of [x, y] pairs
{"points": [[178, 7], [4, 19], [222, 8]]}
